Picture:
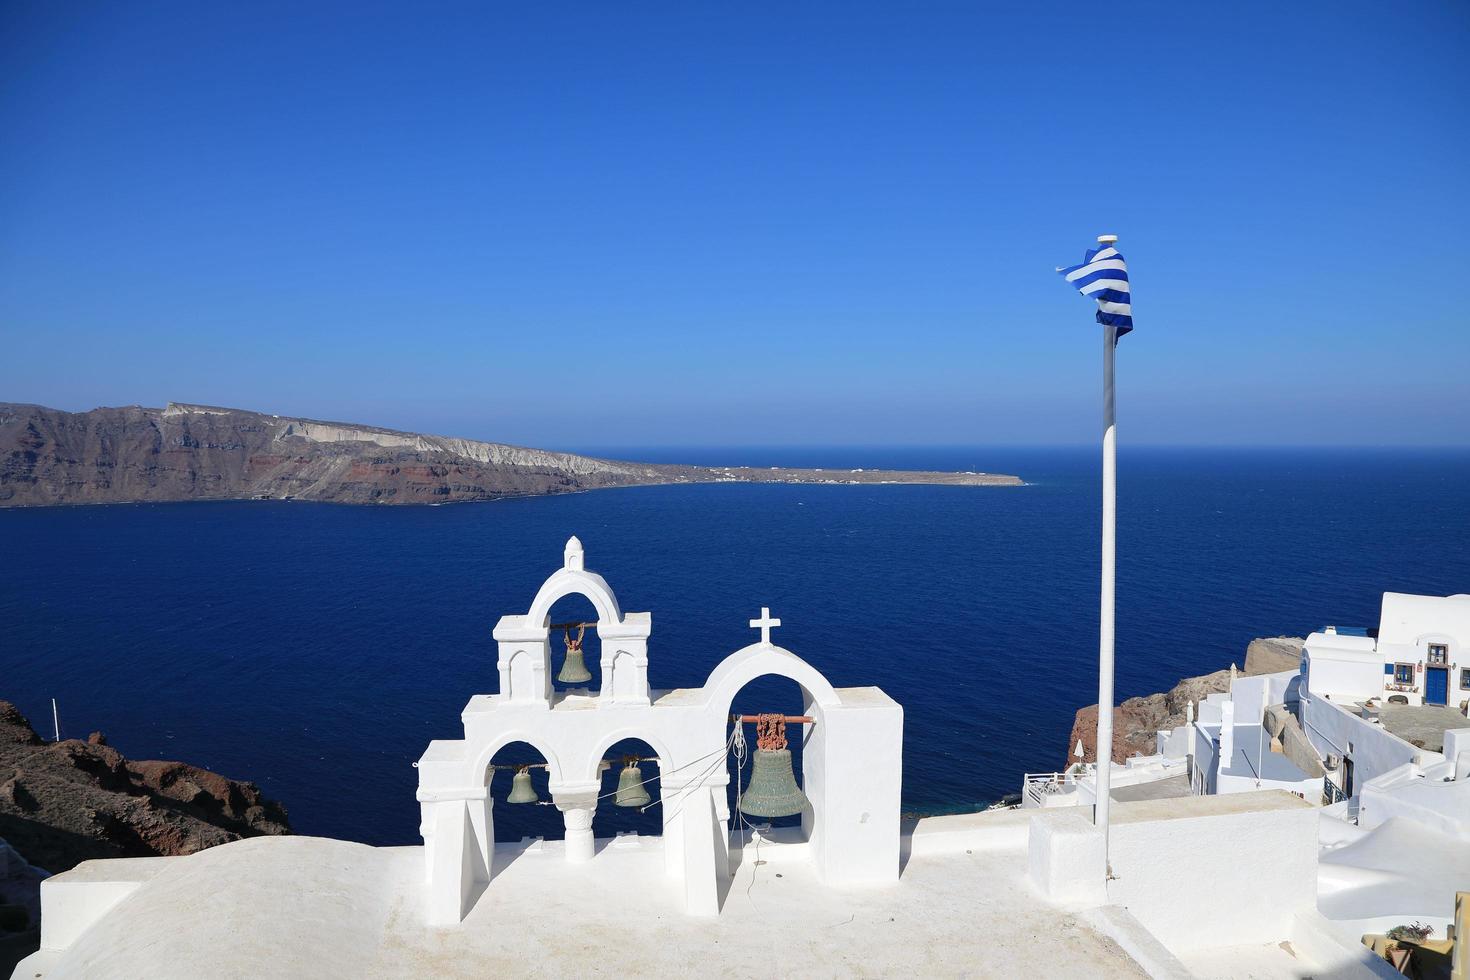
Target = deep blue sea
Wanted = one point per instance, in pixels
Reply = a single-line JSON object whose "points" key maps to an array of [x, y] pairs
{"points": [[316, 649]]}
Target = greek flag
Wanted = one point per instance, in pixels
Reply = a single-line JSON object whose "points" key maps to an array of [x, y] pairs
{"points": [[1103, 275]]}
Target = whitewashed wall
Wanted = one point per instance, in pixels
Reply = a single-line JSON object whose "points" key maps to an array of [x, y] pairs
{"points": [[1436, 794], [1334, 730], [1344, 667], [1197, 872]]}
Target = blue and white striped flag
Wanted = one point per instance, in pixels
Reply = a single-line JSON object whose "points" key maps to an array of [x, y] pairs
{"points": [[1103, 275]]}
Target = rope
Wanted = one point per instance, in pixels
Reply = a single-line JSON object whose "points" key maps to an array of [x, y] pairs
{"points": [[741, 750], [700, 778]]}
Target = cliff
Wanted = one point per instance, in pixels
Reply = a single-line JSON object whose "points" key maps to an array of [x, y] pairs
{"points": [[1137, 721], [199, 452], [66, 802]]}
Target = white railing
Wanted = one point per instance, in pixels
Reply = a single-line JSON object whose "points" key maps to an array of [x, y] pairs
{"points": [[1037, 786]]}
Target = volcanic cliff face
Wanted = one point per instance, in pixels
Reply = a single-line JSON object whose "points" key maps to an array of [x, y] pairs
{"points": [[197, 452], [1137, 721], [66, 802], [192, 452]]}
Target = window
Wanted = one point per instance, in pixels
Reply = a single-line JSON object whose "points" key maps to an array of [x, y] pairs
{"points": [[1465, 678], [1403, 673], [1439, 654]]}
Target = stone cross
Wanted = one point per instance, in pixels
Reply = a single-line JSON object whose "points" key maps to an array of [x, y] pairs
{"points": [[764, 624]]}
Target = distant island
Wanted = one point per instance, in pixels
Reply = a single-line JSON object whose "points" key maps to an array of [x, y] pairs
{"points": [[200, 452]]}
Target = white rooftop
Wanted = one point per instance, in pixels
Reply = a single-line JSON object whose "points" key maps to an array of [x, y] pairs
{"points": [[302, 906]]}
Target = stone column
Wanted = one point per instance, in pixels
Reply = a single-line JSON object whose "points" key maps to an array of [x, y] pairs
{"points": [[576, 813]]}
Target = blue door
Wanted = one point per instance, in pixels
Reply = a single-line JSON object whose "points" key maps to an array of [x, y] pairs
{"points": [[1436, 685]]}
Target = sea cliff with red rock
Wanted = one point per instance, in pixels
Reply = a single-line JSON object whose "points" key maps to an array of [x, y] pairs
{"points": [[65, 802], [1138, 721]]}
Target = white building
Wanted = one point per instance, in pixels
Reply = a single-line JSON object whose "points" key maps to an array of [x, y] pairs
{"points": [[1419, 654], [1375, 700]]}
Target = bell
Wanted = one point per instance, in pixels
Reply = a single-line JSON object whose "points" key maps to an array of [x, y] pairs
{"points": [[521, 790], [631, 791], [574, 668], [772, 791]]}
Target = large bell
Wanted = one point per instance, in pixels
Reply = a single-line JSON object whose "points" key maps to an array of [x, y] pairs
{"points": [[521, 790], [574, 668], [772, 791], [631, 791]]}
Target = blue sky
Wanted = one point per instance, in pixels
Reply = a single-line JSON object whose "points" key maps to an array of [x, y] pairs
{"points": [[683, 223]]}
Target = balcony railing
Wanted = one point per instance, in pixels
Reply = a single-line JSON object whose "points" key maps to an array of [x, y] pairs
{"points": [[1037, 786]]}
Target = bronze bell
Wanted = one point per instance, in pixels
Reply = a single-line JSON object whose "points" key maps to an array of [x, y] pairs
{"points": [[521, 790], [574, 667], [772, 791], [631, 791]]}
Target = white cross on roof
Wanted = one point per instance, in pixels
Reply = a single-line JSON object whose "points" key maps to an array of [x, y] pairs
{"points": [[764, 624]]}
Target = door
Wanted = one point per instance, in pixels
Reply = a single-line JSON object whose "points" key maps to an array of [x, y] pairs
{"points": [[1436, 685]]}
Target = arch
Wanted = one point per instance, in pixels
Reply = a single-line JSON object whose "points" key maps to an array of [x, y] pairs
{"points": [[565, 582], [760, 660], [647, 820], [480, 771], [667, 762]]}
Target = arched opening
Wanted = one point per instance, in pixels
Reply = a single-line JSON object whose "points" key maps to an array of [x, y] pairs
{"points": [[769, 694], [514, 821], [565, 615], [646, 820]]}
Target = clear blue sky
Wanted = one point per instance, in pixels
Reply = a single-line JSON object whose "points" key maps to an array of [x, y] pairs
{"points": [[618, 224]]}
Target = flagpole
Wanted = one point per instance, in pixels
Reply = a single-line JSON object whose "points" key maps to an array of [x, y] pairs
{"points": [[1105, 626]]}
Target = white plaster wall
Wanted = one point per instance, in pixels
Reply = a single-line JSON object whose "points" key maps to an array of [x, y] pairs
{"points": [[1345, 667], [859, 750], [1251, 693], [1310, 787], [1066, 857], [1428, 795], [1215, 871], [1206, 758], [73, 902], [1211, 709], [1374, 750]]}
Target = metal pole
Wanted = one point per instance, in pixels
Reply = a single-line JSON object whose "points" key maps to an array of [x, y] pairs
{"points": [[55, 720], [1105, 630]]}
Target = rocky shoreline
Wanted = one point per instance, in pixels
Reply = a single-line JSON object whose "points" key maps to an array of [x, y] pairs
{"points": [[1137, 721], [200, 452], [65, 802]]}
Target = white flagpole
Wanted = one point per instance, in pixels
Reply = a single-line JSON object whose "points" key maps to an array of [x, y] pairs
{"points": [[1105, 631]]}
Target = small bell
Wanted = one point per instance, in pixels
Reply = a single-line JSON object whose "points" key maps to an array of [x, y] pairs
{"points": [[772, 791], [631, 791], [521, 790], [574, 667]]}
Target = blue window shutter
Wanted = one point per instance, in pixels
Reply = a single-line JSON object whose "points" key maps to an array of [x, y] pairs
{"points": [[1388, 668]]}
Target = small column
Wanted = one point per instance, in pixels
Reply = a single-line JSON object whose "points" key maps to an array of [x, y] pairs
{"points": [[701, 853], [672, 808], [576, 813]]}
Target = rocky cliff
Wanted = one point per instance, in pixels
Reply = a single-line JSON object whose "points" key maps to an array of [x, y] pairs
{"points": [[1137, 721], [66, 802], [199, 452]]}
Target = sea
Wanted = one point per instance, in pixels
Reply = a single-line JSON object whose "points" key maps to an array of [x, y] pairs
{"points": [[316, 649]]}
